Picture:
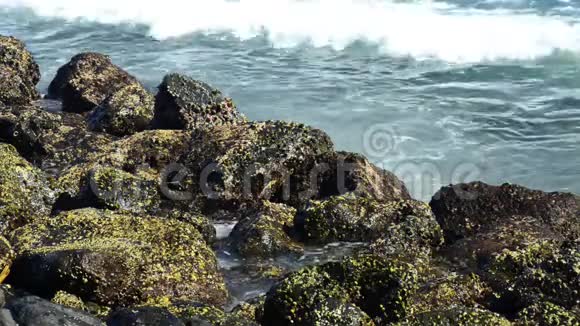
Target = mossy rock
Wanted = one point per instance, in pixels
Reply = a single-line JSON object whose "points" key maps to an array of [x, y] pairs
{"points": [[463, 209], [116, 259], [252, 309], [184, 103], [6, 258], [353, 173], [264, 232], [69, 300], [543, 271], [86, 81], [126, 111], [333, 312], [143, 316], [53, 141], [203, 224], [547, 314], [88, 185], [14, 55], [350, 218], [456, 316], [25, 191], [269, 160], [194, 313], [379, 287], [13, 89]]}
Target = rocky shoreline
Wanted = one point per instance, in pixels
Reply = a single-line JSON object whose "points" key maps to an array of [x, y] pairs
{"points": [[107, 209]]}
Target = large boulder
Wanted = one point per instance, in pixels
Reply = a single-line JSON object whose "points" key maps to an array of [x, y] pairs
{"points": [[351, 218], [25, 191], [13, 89], [184, 103], [19, 62], [264, 232], [379, 287], [463, 209], [115, 259], [84, 82], [124, 112], [34, 311], [51, 140], [269, 160], [547, 314]]}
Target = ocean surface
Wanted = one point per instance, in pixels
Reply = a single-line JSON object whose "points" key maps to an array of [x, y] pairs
{"points": [[436, 91]]}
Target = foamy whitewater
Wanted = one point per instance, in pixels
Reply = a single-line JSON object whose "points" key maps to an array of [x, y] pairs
{"points": [[437, 91]]}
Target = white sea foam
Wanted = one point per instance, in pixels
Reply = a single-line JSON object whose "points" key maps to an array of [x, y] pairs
{"points": [[420, 29]]}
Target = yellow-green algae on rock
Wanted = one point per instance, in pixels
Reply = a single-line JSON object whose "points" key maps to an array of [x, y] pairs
{"points": [[456, 316], [116, 259], [19, 73], [24, 190]]}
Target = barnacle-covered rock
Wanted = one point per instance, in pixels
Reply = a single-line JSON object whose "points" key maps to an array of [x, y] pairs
{"points": [[124, 112], [547, 314], [463, 209], [199, 221], [258, 160], [543, 271], [115, 259], [264, 232], [51, 140], [350, 218], [184, 103], [86, 80], [379, 287], [25, 191], [333, 312], [14, 55], [69, 300], [13, 89], [456, 316]]}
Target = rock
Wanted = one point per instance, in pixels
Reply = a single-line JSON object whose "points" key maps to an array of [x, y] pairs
{"points": [[143, 316], [192, 313], [84, 82], [333, 312], [52, 141], [14, 55], [69, 300], [350, 218], [6, 258], [457, 316], [543, 271], [124, 112], [252, 309], [258, 160], [263, 232], [353, 173], [6, 318], [184, 103], [34, 311], [13, 89], [107, 187], [380, 287], [547, 314], [199, 221], [25, 191], [465, 208], [116, 259]]}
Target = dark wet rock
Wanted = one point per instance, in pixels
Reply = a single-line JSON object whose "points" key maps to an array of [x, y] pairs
{"points": [[13, 89], [89, 185], [184, 103], [25, 191], [542, 271], [380, 287], [34, 311], [143, 316], [333, 312], [264, 232], [547, 314], [115, 259], [463, 209], [84, 82], [15, 56], [259, 160], [353, 173], [192, 313], [124, 112], [457, 316], [52, 141], [350, 218]]}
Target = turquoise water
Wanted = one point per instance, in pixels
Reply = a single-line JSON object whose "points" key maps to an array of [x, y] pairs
{"points": [[438, 92]]}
